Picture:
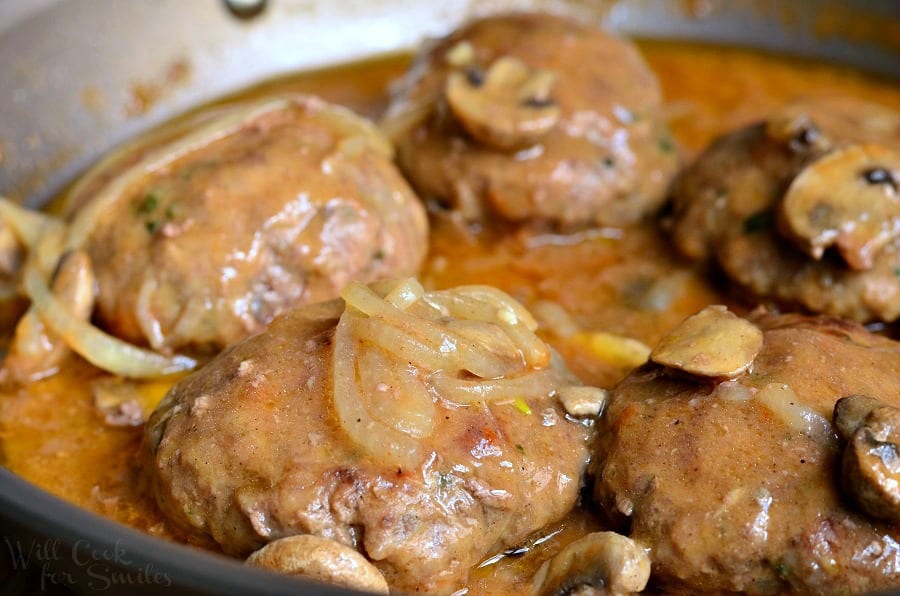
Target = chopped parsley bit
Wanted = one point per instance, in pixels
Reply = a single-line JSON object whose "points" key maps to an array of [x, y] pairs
{"points": [[149, 203], [378, 255], [758, 222], [522, 406], [608, 162], [666, 145], [780, 569], [171, 211], [897, 272], [152, 226]]}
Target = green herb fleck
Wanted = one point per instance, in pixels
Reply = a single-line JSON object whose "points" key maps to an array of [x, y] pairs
{"points": [[758, 222], [378, 255], [148, 204], [172, 211], [780, 569], [897, 272], [152, 225], [666, 145], [609, 162], [520, 448], [522, 406]]}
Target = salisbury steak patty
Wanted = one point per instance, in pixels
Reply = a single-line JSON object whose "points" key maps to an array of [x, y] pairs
{"points": [[803, 208], [735, 484], [423, 431], [200, 235], [534, 116]]}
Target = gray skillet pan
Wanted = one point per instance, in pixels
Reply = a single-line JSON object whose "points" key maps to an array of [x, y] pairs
{"points": [[60, 58]]}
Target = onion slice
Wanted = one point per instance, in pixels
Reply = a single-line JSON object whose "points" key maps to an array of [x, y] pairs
{"points": [[396, 397], [398, 330], [399, 349], [535, 385], [382, 442], [29, 226], [98, 348]]}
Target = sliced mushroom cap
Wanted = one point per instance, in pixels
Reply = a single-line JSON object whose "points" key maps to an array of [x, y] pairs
{"points": [[796, 130], [848, 199], [850, 413], [460, 55], [870, 472], [583, 400], [507, 107], [609, 563], [321, 559], [712, 343]]}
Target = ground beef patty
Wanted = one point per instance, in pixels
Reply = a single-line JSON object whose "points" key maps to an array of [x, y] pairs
{"points": [[201, 234], [803, 208], [424, 470], [734, 485], [534, 117]]}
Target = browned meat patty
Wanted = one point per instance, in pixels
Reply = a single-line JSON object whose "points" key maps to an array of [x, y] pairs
{"points": [[803, 208], [234, 218], [425, 432], [533, 116], [734, 484]]}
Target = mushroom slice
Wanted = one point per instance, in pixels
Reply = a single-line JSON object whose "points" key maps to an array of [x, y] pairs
{"points": [[712, 343], [870, 471], [321, 559], [850, 413], [797, 131], [849, 199], [583, 400], [506, 108], [605, 562], [35, 351], [460, 55]]}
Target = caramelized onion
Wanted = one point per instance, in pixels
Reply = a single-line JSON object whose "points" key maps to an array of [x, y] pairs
{"points": [[98, 348], [355, 130], [397, 349], [535, 385], [396, 395], [29, 226], [405, 294], [410, 335], [480, 303], [781, 400], [378, 439], [400, 119]]}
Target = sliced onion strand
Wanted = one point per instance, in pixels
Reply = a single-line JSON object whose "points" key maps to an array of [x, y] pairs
{"points": [[380, 441], [95, 346]]}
